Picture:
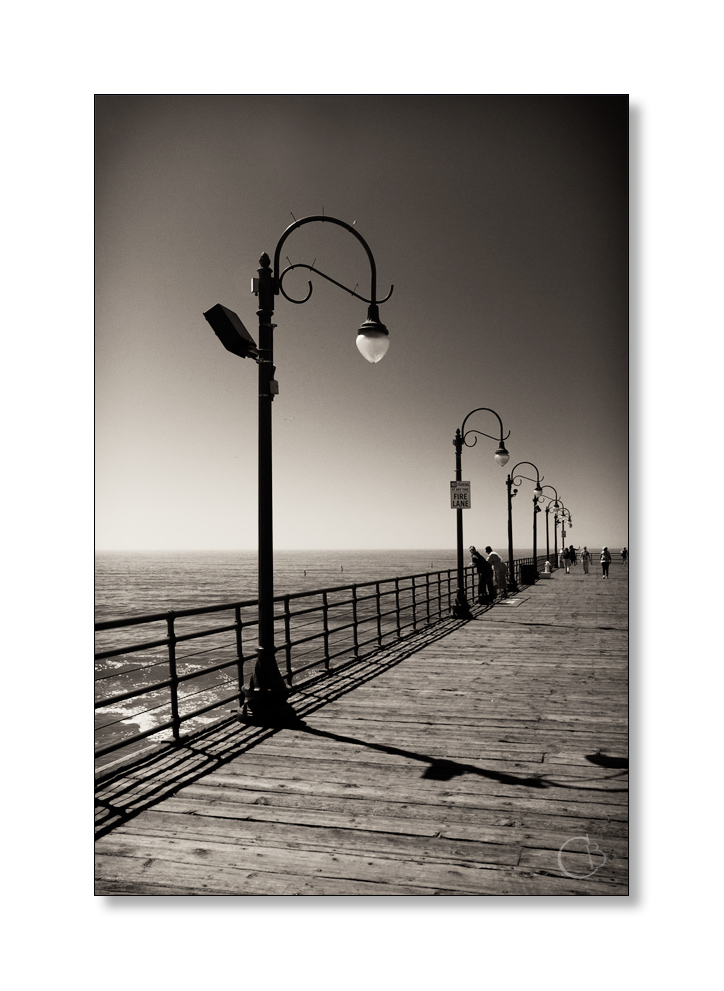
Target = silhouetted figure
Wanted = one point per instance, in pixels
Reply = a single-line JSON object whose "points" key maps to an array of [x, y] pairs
{"points": [[586, 560], [605, 562], [486, 589], [624, 557], [572, 552], [567, 560], [499, 570]]}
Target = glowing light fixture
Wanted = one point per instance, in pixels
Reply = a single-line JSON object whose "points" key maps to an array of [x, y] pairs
{"points": [[501, 455], [373, 338]]}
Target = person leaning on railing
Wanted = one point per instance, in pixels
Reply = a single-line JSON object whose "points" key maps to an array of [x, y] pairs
{"points": [[500, 570], [486, 589]]}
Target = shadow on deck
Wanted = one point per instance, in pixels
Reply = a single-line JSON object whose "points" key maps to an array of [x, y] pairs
{"points": [[140, 783]]}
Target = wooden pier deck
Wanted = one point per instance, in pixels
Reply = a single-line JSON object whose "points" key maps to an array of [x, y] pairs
{"points": [[480, 758]]}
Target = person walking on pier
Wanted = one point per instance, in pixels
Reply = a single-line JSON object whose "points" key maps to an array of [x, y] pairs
{"points": [[586, 559], [500, 571], [567, 560], [572, 552], [486, 589], [624, 557], [605, 561]]}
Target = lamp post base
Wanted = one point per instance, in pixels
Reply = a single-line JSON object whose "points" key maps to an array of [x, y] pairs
{"points": [[461, 606], [264, 707]]}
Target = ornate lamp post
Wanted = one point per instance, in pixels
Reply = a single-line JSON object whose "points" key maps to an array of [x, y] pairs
{"points": [[564, 516], [555, 505], [268, 692], [461, 607], [510, 481]]}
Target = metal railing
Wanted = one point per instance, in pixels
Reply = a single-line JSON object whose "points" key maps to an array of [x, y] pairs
{"points": [[183, 670]]}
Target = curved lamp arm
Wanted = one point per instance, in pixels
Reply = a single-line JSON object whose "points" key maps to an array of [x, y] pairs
{"points": [[538, 477], [557, 499], [481, 409], [373, 301], [461, 437], [562, 513]]}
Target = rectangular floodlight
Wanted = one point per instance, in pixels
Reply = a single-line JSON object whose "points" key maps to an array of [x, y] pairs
{"points": [[231, 331]]}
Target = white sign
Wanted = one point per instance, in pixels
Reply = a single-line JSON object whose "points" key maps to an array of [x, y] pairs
{"points": [[459, 495]]}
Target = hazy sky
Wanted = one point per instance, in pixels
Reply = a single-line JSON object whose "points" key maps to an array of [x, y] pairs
{"points": [[502, 222]]}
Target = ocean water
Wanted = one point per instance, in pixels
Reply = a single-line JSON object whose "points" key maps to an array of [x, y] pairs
{"points": [[137, 583], [129, 584]]}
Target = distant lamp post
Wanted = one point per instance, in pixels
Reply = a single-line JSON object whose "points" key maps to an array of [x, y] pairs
{"points": [[564, 516], [268, 691], [550, 504], [510, 481], [461, 607]]}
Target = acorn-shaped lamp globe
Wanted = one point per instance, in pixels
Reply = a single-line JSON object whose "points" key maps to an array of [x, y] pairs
{"points": [[501, 455], [373, 338]]}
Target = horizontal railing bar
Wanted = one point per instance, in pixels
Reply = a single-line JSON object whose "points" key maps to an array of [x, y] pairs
{"points": [[339, 629], [147, 689], [181, 637], [133, 739], [133, 694], [287, 645], [214, 705], [131, 649], [115, 624]]}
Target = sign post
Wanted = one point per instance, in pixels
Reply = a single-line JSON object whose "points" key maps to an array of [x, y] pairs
{"points": [[459, 495]]}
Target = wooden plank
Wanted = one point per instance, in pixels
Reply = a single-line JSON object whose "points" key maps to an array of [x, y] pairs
{"points": [[250, 834], [411, 817], [236, 864], [413, 826]]}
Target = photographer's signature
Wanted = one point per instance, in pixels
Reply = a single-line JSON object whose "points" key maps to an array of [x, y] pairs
{"points": [[596, 857]]}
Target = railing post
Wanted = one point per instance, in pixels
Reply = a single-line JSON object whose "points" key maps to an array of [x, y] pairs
{"points": [[354, 621], [173, 675], [288, 639], [427, 595], [414, 604], [397, 605], [379, 614], [325, 622], [239, 650]]}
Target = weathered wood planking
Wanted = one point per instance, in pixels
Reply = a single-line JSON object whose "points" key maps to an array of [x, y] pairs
{"points": [[489, 761]]}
